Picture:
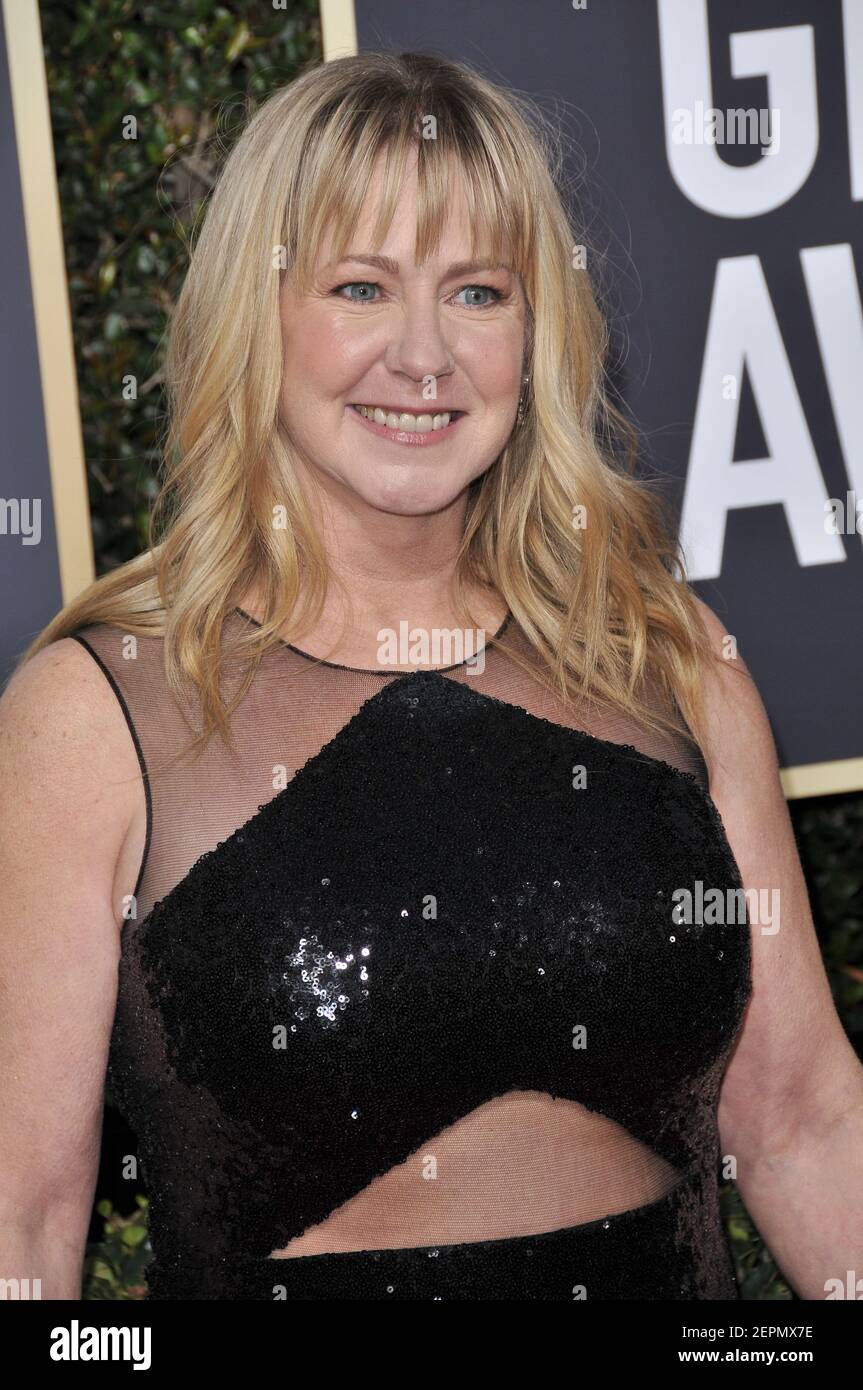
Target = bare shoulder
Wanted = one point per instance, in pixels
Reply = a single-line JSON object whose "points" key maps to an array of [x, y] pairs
{"points": [[61, 699], [740, 738], [70, 767]]}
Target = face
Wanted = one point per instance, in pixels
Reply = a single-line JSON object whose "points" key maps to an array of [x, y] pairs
{"points": [[402, 340]]}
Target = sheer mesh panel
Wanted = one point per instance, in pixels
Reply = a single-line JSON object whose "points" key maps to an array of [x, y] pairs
{"points": [[294, 707], [524, 1162]]}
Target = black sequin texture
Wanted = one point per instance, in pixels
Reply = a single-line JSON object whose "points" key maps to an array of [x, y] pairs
{"points": [[305, 929]]}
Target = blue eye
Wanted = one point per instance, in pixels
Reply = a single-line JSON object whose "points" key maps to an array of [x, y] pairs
{"points": [[373, 285], [357, 284], [489, 289]]}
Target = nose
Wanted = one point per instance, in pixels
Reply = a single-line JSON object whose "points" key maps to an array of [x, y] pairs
{"points": [[422, 344]]}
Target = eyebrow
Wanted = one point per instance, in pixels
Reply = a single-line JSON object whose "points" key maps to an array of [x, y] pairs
{"points": [[391, 267]]}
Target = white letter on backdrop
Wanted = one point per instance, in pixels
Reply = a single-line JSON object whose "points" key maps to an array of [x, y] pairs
{"points": [[786, 58], [831, 283], [742, 332]]}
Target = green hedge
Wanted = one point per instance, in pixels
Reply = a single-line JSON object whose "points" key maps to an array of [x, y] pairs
{"points": [[189, 72]]}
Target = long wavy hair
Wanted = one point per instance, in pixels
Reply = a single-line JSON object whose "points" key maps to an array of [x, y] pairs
{"points": [[582, 550]]}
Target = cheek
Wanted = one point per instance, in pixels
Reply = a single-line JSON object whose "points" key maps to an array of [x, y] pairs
{"points": [[494, 366], [325, 354]]}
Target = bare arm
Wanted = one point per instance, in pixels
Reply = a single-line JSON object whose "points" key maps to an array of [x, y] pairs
{"points": [[69, 800], [791, 1107]]}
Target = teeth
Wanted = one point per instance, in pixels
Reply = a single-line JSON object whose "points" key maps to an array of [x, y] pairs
{"points": [[419, 424]]}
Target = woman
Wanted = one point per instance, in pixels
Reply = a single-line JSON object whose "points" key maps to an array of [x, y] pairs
{"points": [[409, 1003]]}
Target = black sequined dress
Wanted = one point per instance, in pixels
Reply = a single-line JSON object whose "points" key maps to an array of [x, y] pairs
{"points": [[403, 987]]}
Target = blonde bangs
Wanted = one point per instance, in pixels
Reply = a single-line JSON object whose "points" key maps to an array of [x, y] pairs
{"points": [[332, 189]]}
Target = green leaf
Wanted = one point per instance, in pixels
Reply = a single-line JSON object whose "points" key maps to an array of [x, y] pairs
{"points": [[132, 1236], [107, 275], [240, 40], [115, 327]]}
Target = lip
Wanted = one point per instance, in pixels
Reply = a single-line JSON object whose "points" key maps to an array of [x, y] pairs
{"points": [[411, 437], [418, 408]]}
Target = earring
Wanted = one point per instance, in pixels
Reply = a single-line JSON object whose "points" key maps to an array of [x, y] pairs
{"points": [[521, 401]]}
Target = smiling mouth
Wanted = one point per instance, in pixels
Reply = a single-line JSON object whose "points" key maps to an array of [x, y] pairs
{"points": [[407, 422]]}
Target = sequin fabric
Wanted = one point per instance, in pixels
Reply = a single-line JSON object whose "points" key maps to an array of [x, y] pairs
{"points": [[415, 924]]}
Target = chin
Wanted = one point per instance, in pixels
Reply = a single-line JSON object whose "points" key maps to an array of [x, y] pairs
{"points": [[412, 497], [407, 489]]}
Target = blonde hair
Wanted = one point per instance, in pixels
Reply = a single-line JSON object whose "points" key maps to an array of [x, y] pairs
{"points": [[603, 605]]}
